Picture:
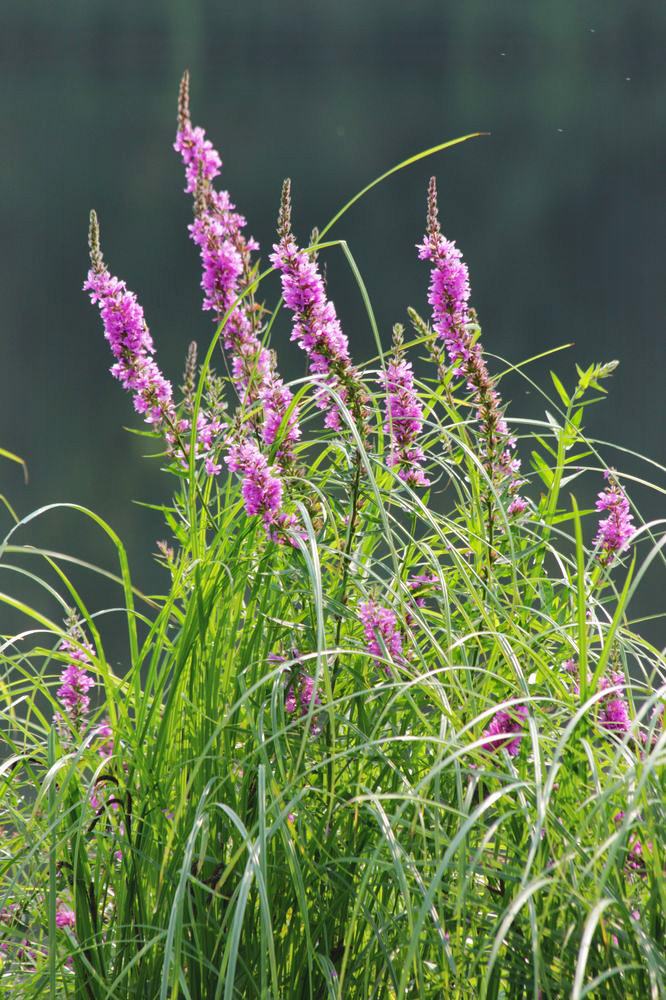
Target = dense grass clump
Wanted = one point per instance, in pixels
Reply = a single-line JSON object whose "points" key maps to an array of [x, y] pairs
{"points": [[389, 730]]}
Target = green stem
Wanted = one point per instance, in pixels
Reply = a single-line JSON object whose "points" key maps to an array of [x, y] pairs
{"points": [[346, 557]]}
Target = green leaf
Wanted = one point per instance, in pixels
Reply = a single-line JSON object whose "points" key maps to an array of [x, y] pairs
{"points": [[14, 458], [542, 469], [564, 396], [544, 444]]}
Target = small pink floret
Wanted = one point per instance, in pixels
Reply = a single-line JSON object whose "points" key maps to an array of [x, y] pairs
{"points": [[65, 917], [509, 725]]}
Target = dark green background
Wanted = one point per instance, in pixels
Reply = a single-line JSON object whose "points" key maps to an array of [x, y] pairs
{"points": [[560, 212]]}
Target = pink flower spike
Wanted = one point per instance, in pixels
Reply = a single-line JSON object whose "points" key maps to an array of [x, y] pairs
{"points": [[300, 693], [448, 295], [199, 155], [616, 530], [225, 251], [262, 489], [76, 683], [316, 327], [135, 367], [403, 423]]}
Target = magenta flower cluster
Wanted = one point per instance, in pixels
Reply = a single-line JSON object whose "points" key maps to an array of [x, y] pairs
{"points": [[657, 718], [20, 950], [616, 530], [316, 328], [104, 732], [404, 422], [506, 730], [570, 667], [637, 854], [65, 917], [126, 330], [217, 233], [613, 710], [262, 488], [419, 584], [201, 159], [449, 296], [380, 624], [73, 693], [76, 682]]}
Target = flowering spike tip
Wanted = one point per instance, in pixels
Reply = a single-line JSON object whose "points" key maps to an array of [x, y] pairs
{"points": [[184, 101], [433, 215], [314, 240], [96, 258], [190, 375], [284, 218]]}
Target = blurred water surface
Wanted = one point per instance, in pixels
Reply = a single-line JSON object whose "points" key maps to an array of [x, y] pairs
{"points": [[559, 212]]}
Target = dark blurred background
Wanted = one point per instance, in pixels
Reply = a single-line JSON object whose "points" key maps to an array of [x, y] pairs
{"points": [[560, 212]]}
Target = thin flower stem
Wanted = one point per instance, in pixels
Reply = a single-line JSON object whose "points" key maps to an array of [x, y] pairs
{"points": [[346, 557]]}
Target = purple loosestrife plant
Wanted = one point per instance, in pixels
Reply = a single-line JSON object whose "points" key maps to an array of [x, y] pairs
{"points": [[617, 529], [104, 732], [449, 295], [449, 290], [198, 154], [379, 574], [404, 417], [226, 262], [420, 581], [316, 328], [613, 709], [131, 344], [650, 738], [216, 230]]}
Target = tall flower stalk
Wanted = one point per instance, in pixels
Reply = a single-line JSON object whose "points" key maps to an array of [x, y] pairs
{"points": [[448, 295], [404, 417], [135, 367], [226, 261], [316, 328]]}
